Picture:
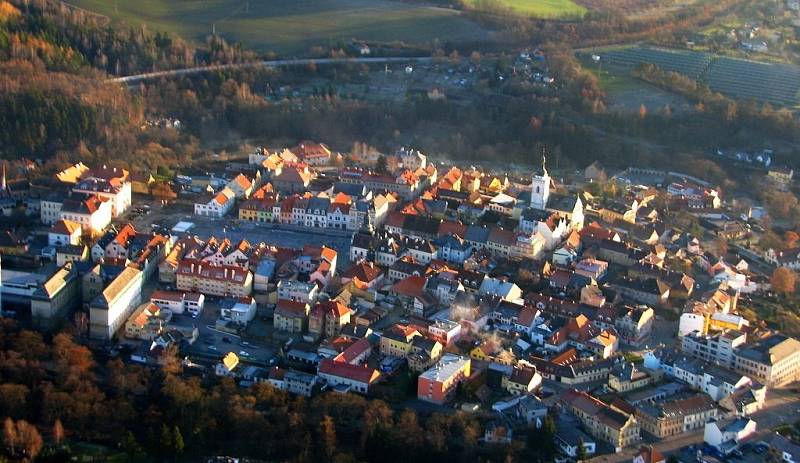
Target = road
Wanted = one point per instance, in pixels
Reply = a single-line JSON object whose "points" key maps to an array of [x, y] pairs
{"points": [[134, 79], [781, 405]]}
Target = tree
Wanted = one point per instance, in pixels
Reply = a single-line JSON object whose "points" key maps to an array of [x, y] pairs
{"points": [[58, 432], [783, 281], [580, 452], [177, 442], [327, 437], [10, 436], [381, 166], [722, 246], [790, 238]]}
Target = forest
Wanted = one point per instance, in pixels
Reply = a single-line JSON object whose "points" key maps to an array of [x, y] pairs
{"points": [[55, 394]]}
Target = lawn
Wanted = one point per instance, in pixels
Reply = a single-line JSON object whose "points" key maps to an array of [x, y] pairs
{"points": [[556, 9], [292, 27]]}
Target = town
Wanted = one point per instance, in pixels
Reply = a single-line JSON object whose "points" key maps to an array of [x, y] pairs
{"points": [[612, 304]]}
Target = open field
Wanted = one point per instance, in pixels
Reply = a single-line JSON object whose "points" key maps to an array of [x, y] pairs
{"points": [[292, 27], [537, 8]]}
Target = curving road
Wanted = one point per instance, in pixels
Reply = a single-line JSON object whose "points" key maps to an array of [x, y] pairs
{"points": [[275, 63]]}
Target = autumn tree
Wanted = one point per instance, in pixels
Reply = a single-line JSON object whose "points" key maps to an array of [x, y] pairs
{"points": [[58, 432], [783, 281]]}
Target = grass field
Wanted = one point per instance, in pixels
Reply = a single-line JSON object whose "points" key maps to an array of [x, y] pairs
{"points": [[566, 9], [292, 27]]}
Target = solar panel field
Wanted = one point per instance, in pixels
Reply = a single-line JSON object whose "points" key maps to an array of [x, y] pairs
{"points": [[777, 84]]}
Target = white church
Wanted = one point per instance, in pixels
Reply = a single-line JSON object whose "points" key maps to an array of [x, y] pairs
{"points": [[551, 221]]}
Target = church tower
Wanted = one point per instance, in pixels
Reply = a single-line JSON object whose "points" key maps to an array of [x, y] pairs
{"points": [[540, 187]]}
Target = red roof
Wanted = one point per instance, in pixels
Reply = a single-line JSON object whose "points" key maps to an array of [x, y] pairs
{"points": [[411, 286], [362, 374], [291, 308], [448, 227]]}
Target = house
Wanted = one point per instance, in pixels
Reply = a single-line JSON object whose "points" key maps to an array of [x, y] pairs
{"points": [[92, 212], [524, 379], [294, 290], [64, 232], [291, 316], [146, 322], [240, 310], [727, 435], [438, 384], [569, 437], [424, 354], [228, 366], [602, 421], [71, 253], [500, 288], [218, 205], [109, 183], [179, 302], [328, 318], [627, 377], [397, 341], [348, 377]]}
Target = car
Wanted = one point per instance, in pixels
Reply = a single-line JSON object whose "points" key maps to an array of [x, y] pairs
{"points": [[244, 353], [212, 347], [244, 344], [226, 340]]}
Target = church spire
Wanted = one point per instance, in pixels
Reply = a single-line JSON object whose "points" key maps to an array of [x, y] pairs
{"points": [[3, 180]]}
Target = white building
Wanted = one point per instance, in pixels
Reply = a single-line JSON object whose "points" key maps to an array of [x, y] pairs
{"points": [[219, 205], [92, 212], [109, 310], [726, 435], [179, 301]]}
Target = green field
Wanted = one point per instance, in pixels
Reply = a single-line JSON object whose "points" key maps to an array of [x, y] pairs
{"points": [[556, 9], [292, 27]]}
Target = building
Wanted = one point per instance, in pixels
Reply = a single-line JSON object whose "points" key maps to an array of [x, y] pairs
{"points": [[291, 316], [524, 379], [59, 294], [347, 377], [773, 360], [727, 435], [676, 415], [649, 454], [109, 310], [718, 348], [295, 290], [179, 302], [146, 322], [397, 341], [63, 233], [241, 310], [218, 280], [110, 184], [438, 384], [93, 213], [218, 205], [602, 421]]}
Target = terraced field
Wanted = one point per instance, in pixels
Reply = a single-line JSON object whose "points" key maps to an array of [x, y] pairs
{"points": [[777, 84], [292, 27]]}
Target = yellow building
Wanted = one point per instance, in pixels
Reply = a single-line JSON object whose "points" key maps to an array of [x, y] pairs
{"points": [[398, 340]]}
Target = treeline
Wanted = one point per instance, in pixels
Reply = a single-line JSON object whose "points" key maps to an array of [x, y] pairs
{"points": [[161, 415], [67, 38], [757, 117]]}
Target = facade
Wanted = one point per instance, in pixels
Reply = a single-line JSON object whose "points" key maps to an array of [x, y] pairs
{"points": [[92, 212], [774, 360], [355, 378], [438, 384], [602, 421], [219, 205], [59, 294], [179, 302], [676, 415], [217, 280], [109, 310], [291, 316]]}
